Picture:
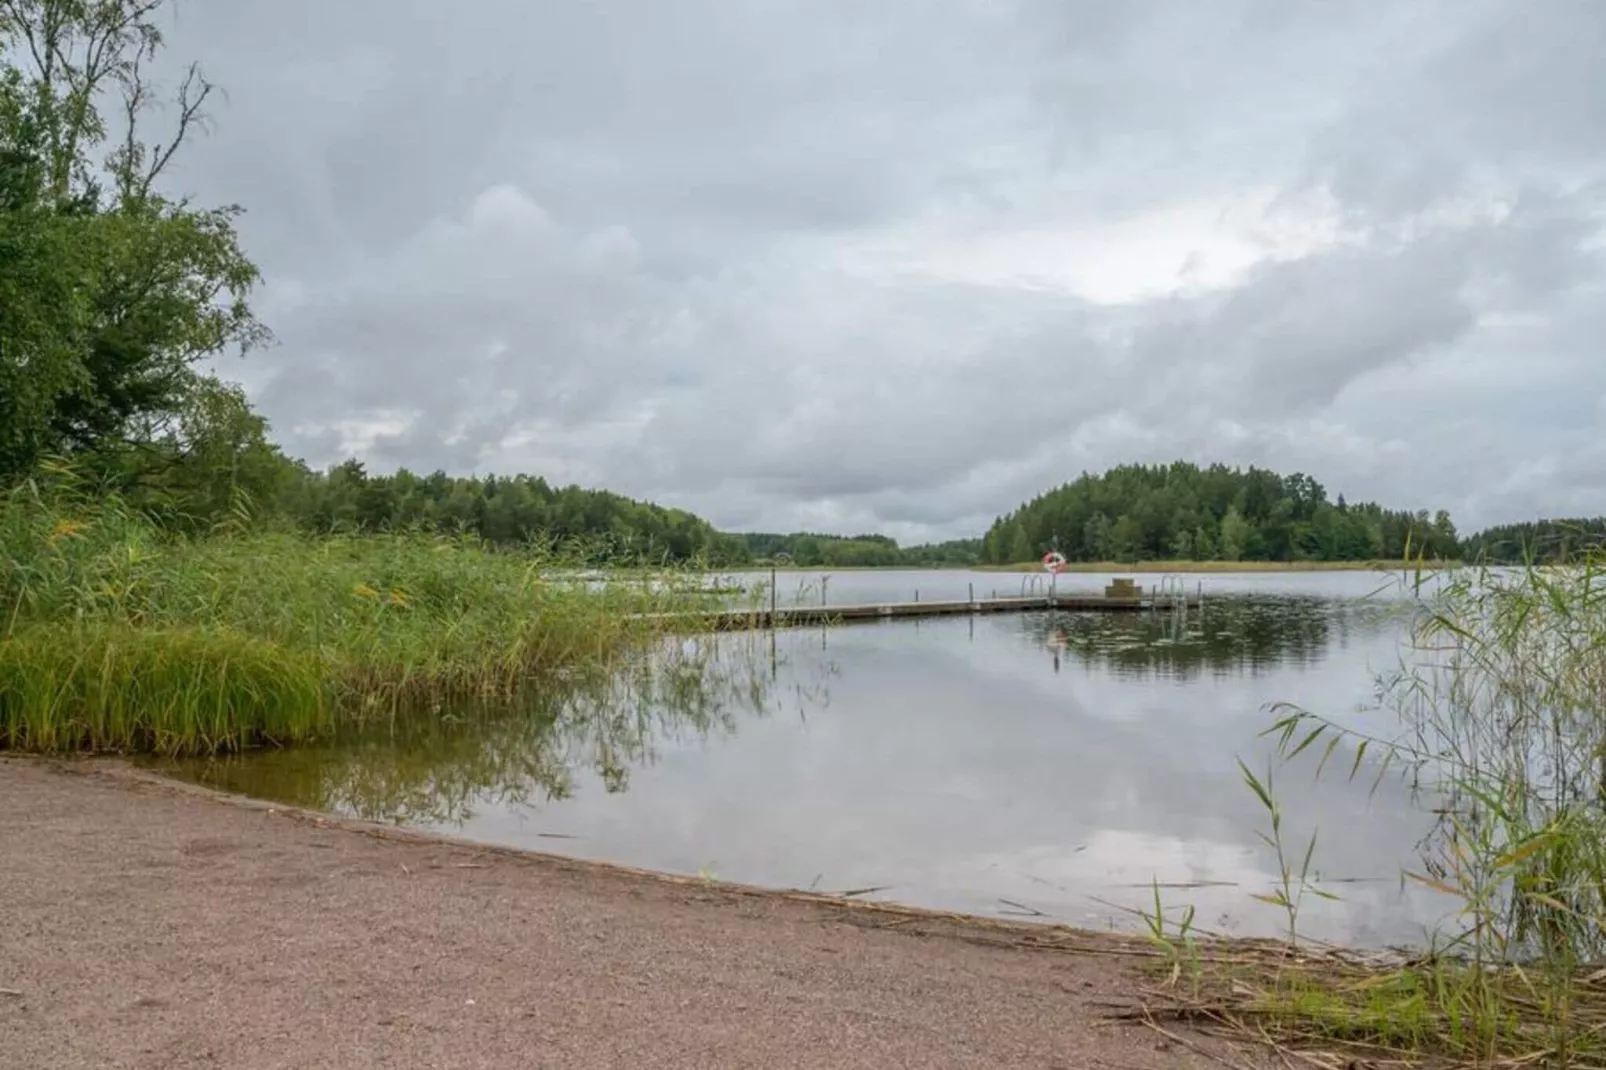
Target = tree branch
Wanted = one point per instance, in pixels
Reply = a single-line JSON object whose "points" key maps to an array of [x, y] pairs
{"points": [[24, 25], [192, 96]]}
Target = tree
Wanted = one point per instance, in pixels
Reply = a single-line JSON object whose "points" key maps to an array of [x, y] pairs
{"points": [[1126, 539], [209, 462], [1019, 545], [1096, 538], [111, 293], [44, 311], [1443, 543], [1235, 534]]}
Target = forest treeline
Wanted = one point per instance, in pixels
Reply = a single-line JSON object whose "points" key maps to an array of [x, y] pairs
{"points": [[813, 550], [1183, 512], [1538, 541], [603, 526], [214, 463]]}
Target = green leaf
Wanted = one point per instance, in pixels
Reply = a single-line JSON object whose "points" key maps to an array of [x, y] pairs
{"points": [[1314, 734], [1360, 753], [1255, 785]]}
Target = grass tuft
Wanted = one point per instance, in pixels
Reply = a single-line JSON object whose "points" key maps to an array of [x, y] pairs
{"points": [[164, 691]]}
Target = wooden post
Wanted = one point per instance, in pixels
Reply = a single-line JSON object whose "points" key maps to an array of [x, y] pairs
{"points": [[824, 581], [972, 594], [917, 594], [774, 590]]}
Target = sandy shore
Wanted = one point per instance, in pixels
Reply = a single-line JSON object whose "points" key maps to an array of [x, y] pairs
{"points": [[148, 924]]}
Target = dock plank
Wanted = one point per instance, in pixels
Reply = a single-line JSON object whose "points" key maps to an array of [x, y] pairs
{"points": [[795, 616]]}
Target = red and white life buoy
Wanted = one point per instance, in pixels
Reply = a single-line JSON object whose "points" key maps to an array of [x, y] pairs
{"points": [[1054, 561]]}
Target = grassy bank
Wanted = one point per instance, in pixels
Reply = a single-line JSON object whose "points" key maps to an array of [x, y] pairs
{"points": [[1222, 566], [115, 637], [1502, 732]]}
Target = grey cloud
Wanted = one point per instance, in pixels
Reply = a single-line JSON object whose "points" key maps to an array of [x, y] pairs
{"points": [[647, 245], [1493, 93]]}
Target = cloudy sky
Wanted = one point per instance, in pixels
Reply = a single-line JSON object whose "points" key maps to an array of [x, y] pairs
{"points": [[898, 265]]}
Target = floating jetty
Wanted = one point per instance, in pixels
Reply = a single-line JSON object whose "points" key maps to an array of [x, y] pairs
{"points": [[1118, 598]]}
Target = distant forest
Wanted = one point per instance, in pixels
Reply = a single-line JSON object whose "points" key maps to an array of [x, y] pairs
{"points": [[1539, 541], [1183, 512], [1129, 514], [809, 550], [515, 509], [195, 491], [507, 510]]}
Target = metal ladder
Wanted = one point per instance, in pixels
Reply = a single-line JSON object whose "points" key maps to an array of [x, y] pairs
{"points": [[1171, 593]]}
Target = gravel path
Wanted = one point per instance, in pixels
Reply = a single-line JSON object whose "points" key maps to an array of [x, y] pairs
{"points": [[154, 925]]}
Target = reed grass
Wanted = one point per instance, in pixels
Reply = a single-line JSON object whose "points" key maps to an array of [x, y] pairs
{"points": [[1501, 700], [157, 690], [114, 636]]}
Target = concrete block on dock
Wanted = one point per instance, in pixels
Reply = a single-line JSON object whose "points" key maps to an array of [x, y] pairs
{"points": [[1123, 587]]}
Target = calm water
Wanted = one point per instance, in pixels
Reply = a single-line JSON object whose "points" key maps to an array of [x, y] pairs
{"points": [[810, 587], [1041, 765]]}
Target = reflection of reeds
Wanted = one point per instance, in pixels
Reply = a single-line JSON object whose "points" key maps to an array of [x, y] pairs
{"points": [[436, 768], [115, 637]]}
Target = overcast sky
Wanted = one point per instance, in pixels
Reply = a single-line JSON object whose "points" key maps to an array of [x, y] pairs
{"points": [[898, 265]]}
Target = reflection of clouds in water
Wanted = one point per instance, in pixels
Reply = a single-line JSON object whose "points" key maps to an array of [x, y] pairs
{"points": [[1117, 865], [948, 760], [1217, 878]]}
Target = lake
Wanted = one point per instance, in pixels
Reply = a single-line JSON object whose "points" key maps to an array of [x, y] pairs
{"points": [[1052, 766]]}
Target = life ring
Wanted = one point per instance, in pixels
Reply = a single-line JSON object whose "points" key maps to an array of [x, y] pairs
{"points": [[1054, 561]]}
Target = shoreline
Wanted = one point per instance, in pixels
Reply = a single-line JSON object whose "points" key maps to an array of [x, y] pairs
{"points": [[1046, 936], [161, 923], [1041, 935]]}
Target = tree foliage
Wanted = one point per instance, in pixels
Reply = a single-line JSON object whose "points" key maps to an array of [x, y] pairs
{"points": [[1538, 541], [1182, 511], [111, 294], [813, 550], [505, 510]]}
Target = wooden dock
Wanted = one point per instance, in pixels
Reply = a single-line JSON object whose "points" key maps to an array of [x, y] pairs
{"points": [[798, 616]]}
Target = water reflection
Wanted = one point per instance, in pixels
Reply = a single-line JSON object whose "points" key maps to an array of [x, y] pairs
{"points": [[441, 769], [1045, 764], [1252, 634]]}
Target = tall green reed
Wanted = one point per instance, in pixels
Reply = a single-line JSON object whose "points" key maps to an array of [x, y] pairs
{"points": [[97, 601], [1500, 699]]}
